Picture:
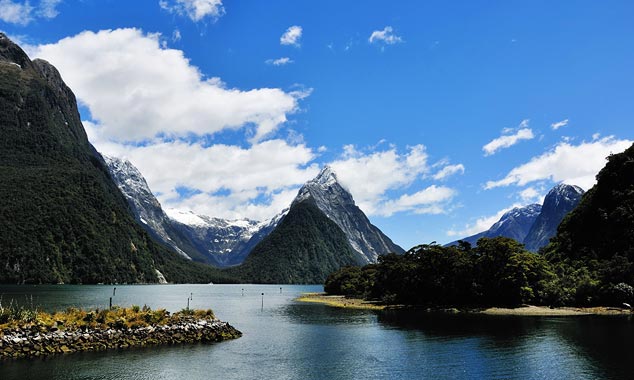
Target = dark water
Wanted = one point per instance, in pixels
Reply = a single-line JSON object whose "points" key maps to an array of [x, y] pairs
{"points": [[291, 340]]}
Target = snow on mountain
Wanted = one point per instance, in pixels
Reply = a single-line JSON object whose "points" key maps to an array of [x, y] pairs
{"points": [[338, 205], [145, 206], [534, 224], [558, 203], [215, 241]]}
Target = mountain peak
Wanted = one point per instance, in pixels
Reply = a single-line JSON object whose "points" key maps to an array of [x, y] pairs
{"points": [[326, 176], [12, 53]]}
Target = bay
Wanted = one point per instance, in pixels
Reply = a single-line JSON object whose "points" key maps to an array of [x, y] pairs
{"points": [[285, 339]]}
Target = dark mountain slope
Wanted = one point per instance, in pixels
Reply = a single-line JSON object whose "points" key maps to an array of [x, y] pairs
{"points": [[62, 217], [602, 225], [559, 201], [303, 249]]}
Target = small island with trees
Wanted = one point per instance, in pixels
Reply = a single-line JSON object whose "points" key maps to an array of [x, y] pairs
{"points": [[587, 265]]}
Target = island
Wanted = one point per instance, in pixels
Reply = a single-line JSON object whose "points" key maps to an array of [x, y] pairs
{"points": [[28, 333]]}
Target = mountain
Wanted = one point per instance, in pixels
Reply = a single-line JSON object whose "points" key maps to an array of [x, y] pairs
{"points": [[146, 207], [514, 224], [63, 218], [214, 241], [534, 224], [303, 249], [558, 203], [222, 242], [338, 205], [601, 227]]}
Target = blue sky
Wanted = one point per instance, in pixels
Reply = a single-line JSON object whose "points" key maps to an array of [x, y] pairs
{"points": [[437, 115]]}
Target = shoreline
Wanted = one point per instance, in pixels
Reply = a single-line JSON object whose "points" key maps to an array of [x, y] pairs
{"points": [[34, 339], [525, 310]]}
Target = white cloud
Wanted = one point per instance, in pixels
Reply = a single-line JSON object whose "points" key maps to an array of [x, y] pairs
{"points": [[22, 13], [370, 177], [572, 164], [48, 8], [385, 36], [505, 141], [279, 61], [448, 171], [176, 35], [161, 93], [292, 36], [196, 10], [481, 224], [255, 182], [559, 124], [426, 201], [530, 194]]}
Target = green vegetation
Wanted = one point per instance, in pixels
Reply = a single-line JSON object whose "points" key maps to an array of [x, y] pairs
{"points": [[589, 262], [73, 319], [63, 219], [497, 271], [303, 249]]}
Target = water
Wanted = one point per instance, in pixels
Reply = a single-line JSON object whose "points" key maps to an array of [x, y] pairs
{"points": [[290, 340]]}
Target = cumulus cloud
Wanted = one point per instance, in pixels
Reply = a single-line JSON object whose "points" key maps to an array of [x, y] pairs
{"points": [[292, 36], [508, 140], [371, 176], [196, 10], [448, 171], [22, 13], [427, 201], [385, 36], [559, 124], [279, 61], [162, 94], [227, 181], [532, 195], [572, 164], [480, 224]]}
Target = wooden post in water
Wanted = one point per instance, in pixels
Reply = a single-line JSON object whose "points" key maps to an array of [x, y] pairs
{"points": [[242, 292], [114, 291], [187, 303], [110, 302], [262, 301], [280, 290], [191, 296]]}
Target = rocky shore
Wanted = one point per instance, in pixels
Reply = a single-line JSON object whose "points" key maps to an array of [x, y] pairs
{"points": [[36, 341]]}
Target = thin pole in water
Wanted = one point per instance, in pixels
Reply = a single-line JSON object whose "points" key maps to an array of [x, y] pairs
{"points": [[114, 291], [187, 303], [280, 290], [191, 296], [242, 292], [110, 302], [262, 301]]}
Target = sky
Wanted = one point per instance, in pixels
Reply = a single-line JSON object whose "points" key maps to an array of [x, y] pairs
{"points": [[438, 116]]}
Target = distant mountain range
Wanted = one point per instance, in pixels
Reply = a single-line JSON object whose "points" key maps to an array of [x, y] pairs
{"points": [[535, 224], [228, 243]]}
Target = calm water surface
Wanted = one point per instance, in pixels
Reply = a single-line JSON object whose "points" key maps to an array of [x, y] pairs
{"points": [[290, 340]]}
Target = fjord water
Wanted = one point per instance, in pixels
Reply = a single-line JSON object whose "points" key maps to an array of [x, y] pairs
{"points": [[285, 339]]}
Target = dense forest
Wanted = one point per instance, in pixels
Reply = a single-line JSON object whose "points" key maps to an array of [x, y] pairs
{"points": [[589, 261]]}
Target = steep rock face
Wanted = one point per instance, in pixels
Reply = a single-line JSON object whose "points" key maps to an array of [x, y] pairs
{"points": [[303, 249], [145, 206], [338, 205], [214, 241], [558, 203], [514, 224], [63, 218]]}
